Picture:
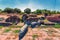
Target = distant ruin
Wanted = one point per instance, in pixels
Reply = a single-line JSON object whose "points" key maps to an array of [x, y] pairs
{"points": [[6, 20]]}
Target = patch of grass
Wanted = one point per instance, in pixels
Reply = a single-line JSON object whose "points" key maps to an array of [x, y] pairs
{"points": [[14, 26], [16, 31], [7, 30], [18, 26], [57, 25], [34, 36], [1, 27]]}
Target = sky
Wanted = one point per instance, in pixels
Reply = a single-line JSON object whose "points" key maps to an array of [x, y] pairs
{"points": [[32, 4]]}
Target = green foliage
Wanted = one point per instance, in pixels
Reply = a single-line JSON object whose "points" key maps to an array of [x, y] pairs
{"points": [[22, 13], [16, 10], [58, 12], [53, 12], [21, 20], [7, 30], [34, 36], [11, 10], [16, 31], [38, 11], [57, 25], [0, 10], [8, 10], [14, 26], [27, 10], [1, 27]]}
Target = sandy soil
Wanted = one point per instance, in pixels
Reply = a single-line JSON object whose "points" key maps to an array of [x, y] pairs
{"points": [[32, 34]]}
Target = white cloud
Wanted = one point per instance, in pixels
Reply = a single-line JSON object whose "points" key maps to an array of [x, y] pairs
{"points": [[30, 5]]}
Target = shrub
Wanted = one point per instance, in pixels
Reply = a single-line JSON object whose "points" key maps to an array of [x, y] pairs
{"points": [[57, 26], [14, 26], [16, 10], [16, 31], [8, 10], [1, 27], [7, 30], [27, 10], [34, 36]]}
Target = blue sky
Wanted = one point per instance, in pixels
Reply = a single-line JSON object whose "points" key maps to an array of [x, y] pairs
{"points": [[33, 4]]}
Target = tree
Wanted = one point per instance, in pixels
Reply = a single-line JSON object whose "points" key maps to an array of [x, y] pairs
{"points": [[38, 11], [16, 10], [8, 10], [27, 10], [58, 12], [44, 11], [53, 12], [0, 10]]}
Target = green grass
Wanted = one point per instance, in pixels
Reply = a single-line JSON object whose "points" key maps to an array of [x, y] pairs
{"points": [[14, 26], [16, 31], [1, 27], [57, 25], [18, 26], [7, 30], [34, 36]]}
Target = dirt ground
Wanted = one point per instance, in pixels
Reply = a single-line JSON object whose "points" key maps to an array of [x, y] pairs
{"points": [[32, 34]]}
